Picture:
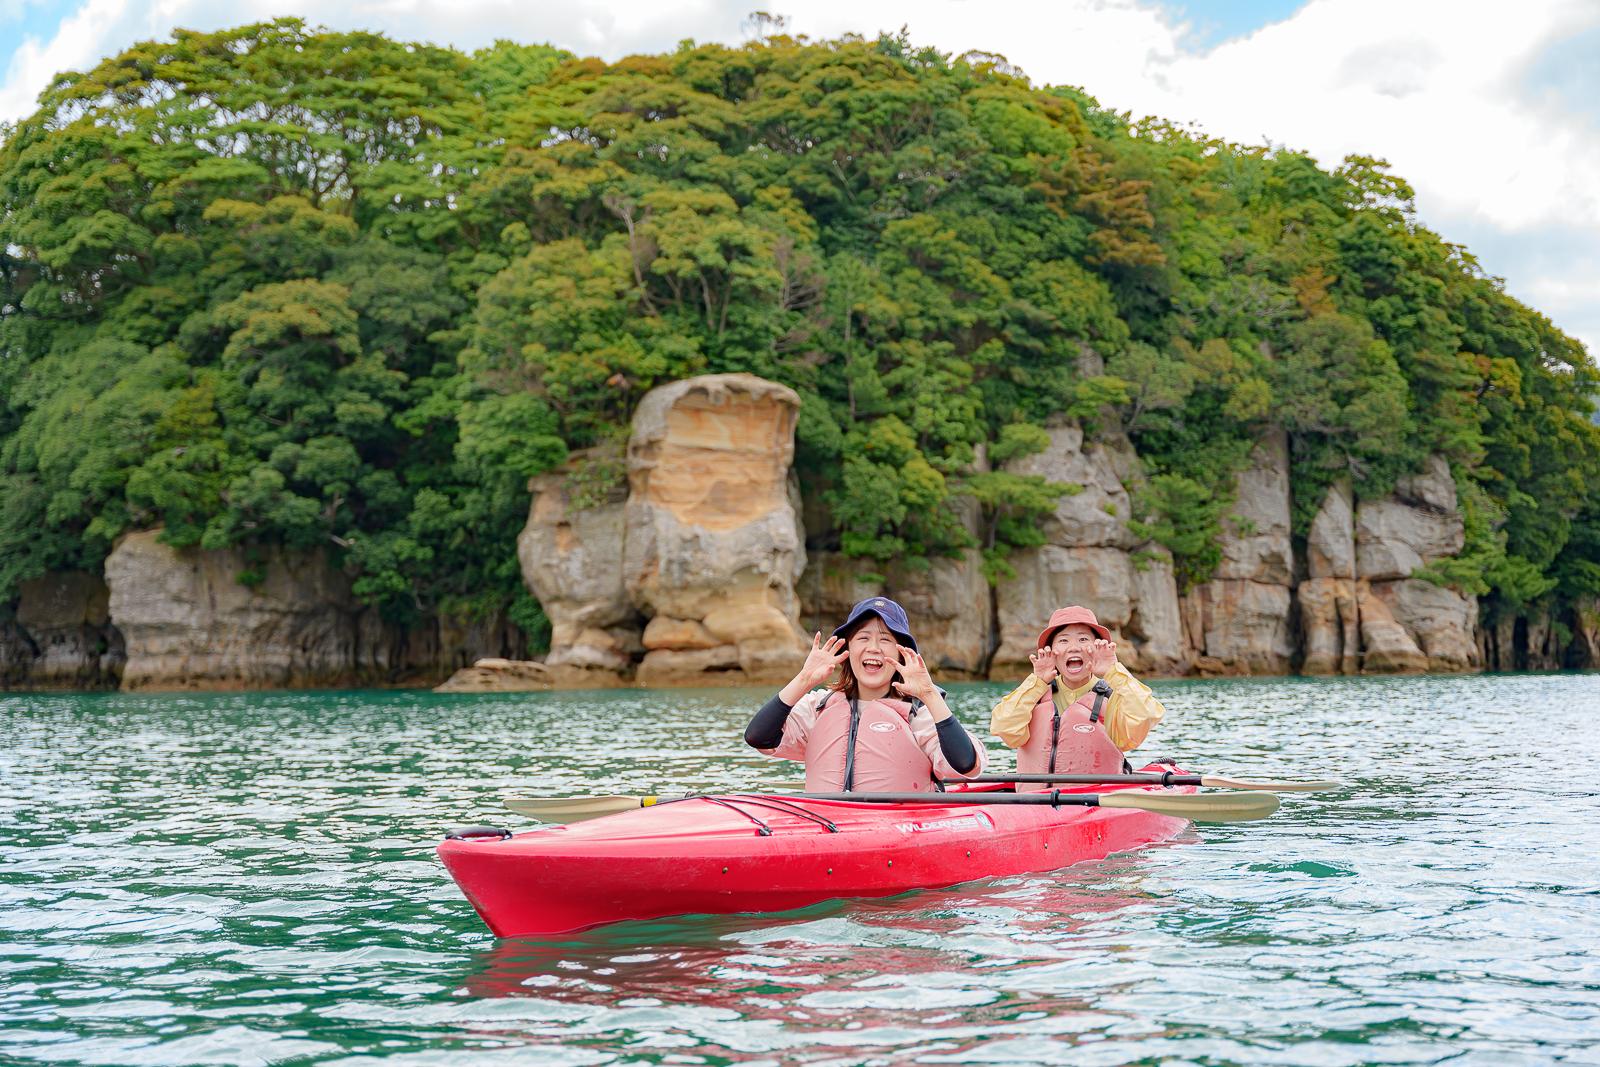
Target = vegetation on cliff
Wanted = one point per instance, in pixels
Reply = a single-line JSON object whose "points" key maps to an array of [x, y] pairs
{"points": [[270, 285]]}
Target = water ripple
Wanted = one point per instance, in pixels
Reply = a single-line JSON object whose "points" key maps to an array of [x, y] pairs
{"points": [[249, 879]]}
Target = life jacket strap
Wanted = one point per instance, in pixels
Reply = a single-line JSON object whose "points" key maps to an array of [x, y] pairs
{"points": [[1101, 692]]}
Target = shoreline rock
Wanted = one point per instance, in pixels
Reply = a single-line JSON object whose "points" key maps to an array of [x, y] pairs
{"points": [[682, 560]]}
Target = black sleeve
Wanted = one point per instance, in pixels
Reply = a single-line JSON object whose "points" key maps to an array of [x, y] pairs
{"points": [[955, 744], [766, 729]]}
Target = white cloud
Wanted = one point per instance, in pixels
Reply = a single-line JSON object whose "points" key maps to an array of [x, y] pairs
{"points": [[1448, 91]]}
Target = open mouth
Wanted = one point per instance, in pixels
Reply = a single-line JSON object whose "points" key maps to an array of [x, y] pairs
{"points": [[1073, 662], [872, 664]]}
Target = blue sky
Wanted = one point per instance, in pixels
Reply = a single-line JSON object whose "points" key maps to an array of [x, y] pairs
{"points": [[1211, 23], [29, 18], [1490, 110]]}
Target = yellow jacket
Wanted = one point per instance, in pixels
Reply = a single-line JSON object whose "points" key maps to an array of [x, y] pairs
{"points": [[1130, 713]]}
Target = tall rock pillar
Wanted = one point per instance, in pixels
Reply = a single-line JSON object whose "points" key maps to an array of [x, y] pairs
{"points": [[713, 543]]}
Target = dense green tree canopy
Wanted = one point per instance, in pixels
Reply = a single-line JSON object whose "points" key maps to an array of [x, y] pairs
{"points": [[277, 285]]}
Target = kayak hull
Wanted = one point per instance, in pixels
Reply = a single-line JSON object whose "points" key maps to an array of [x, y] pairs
{"points": [[754, 853]]}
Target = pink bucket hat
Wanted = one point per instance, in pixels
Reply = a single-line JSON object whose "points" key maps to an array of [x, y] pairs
{"points": [[1066, 617]]}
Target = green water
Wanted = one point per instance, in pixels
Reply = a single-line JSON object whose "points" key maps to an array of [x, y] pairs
{"points": [[249, 879]]}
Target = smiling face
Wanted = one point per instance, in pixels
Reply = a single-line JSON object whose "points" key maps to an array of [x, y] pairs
{"points": [[1072, 646], [874, 657]]}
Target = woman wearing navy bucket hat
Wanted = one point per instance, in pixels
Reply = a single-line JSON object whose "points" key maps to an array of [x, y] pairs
{"points": [[881, 726]]}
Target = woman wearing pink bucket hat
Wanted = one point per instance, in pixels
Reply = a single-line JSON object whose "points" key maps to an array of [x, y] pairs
{"points": [[1080, 709]]}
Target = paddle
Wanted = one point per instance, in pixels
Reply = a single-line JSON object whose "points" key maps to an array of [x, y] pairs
{"points": [[1153, 778], [1208, 807]]}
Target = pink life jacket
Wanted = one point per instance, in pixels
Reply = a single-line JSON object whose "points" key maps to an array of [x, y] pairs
{"points": [[865, 745], [1073, 741]]}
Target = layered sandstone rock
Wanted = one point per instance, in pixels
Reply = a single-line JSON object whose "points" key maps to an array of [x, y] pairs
{"points": [[1099, 577], [1360, 609], [1239, 627], [65, 618], [1440, 621], [1095, 512], [1386, 646], [712, 544], [948, 599], [1156, 624], [571, 553], [188, 623], [1331, 542], [1091, 558], [1330, 626], [1239, 621], [1417, 524]]}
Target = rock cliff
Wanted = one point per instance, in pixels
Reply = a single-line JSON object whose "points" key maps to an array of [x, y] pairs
{"points": [[63, 632], [1090, 557], [1238, 622], [682, 560], [571, 557], [1360, 609], [169, 618], [685, 576], [188, 623]]}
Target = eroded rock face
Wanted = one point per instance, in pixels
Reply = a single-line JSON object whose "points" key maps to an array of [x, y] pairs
{"points": [[1256, 546], [1416, 525], [1050, 576], [1386, 646], [16, 655], [712, 534], [1090, 559], [1331, 543], [65, 619], [949, 604], [1156, 625], [1440, 621], [499, 675], [187, 623], [1239, 621], [1361, 610], [1584, 652], [1241, 626], [571, 554], [1097, 513], [1330, 626]]}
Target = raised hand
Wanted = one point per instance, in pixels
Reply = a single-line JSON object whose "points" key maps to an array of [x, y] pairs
{"points": [[823, 659], [1044, 664], [915, 679], [1102, 657]]}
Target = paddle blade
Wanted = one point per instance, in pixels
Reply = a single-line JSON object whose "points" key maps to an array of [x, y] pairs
{"points": [[1216, 782], [1198, 807], [575, 809]]}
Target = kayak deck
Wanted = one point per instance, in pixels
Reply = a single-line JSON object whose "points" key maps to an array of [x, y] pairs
{"points": [[769, 852]]}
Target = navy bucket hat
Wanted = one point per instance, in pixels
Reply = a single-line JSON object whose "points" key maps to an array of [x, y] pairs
{"points": [[892, 614]]}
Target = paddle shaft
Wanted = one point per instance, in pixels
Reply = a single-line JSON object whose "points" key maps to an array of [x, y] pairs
{"points": [[1137, 778], [1207, 807]]}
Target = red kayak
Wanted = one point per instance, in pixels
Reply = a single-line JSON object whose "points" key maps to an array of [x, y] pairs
{"points": [[771, 852]]}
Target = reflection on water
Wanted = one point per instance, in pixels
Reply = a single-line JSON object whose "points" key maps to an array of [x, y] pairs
{"points": [[249, 878]]}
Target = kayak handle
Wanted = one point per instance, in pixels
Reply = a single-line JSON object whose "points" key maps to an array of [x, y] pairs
{"points": [[477, 833]]}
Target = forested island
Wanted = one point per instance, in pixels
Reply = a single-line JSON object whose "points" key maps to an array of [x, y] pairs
{"points": [[294, 306]]}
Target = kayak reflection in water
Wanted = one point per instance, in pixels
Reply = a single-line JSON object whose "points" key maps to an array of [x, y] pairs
{"points": [[882, 726], [1080, 709]]}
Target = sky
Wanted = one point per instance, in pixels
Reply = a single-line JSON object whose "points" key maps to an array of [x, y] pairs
{"points": [[1490, 109]]}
